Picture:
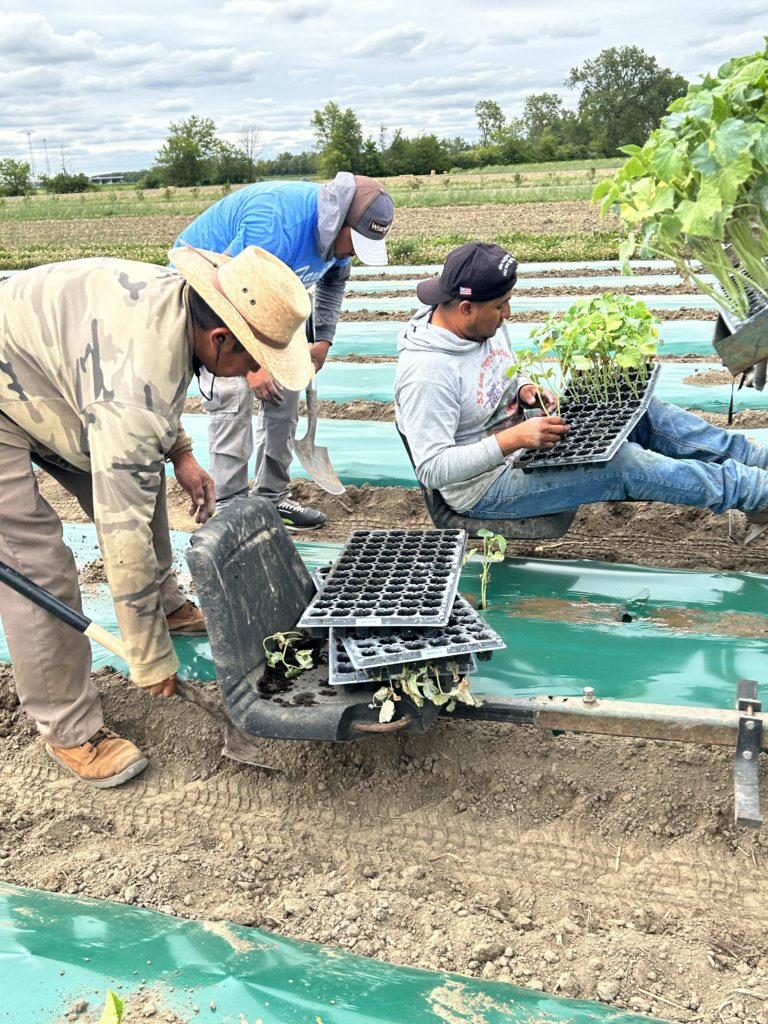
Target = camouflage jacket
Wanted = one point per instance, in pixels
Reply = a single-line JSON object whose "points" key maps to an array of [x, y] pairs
{"points": [[95, 360]]}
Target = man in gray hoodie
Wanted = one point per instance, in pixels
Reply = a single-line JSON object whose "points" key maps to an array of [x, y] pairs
{"points": [[314, 229], [463, 417]]}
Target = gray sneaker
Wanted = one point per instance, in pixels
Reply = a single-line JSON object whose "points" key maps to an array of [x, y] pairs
{"points": [[299, 517]]}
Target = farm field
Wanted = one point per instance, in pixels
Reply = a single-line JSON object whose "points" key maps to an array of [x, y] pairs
{"points": [[596, 868]]}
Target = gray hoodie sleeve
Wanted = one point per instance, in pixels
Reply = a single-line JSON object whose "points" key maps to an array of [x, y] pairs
{"points": [[329, 292]]}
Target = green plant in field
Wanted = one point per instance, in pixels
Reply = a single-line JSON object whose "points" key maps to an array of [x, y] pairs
{"points": [[494, 548], [113, 1010], [697, 191], [282, 649], [226, 188], [422, 682], [599, 343], [168, 192]]}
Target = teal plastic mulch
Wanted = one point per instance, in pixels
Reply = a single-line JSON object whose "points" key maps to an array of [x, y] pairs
{"points": [[56, 951], [416, 270], [406, 284], [680, 338], [375, 382], [664, 636], [548, 303], [361, 451]]}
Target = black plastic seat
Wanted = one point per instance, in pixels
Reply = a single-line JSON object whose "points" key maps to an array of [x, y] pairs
{"points": [[531, 528]]}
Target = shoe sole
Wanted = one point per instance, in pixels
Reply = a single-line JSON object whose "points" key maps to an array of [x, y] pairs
{"points": [[298, 529], [114, 780], [188, 632]]}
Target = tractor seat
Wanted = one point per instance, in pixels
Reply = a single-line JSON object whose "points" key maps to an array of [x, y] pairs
{"points": [[531, 528]]}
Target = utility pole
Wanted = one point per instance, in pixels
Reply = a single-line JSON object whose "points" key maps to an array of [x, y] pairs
{"points": [[31, 155], [47, 161]]}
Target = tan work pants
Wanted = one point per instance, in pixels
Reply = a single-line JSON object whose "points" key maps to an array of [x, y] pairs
{"points": [[52, 661]]}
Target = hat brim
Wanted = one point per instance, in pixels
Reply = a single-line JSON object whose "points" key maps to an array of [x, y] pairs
{"points": [[290, 365], [431, 292], [371, 251]]}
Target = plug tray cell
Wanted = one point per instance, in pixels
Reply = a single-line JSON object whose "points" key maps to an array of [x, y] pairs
{"points": [[390, 578], [464, 633], [341, 671], [597, 428]]}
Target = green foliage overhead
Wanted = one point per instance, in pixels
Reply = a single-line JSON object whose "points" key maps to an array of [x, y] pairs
{"points": [[697, 190]]}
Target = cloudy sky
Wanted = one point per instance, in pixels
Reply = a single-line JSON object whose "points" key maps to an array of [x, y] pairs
{"points": [[99, 83]]}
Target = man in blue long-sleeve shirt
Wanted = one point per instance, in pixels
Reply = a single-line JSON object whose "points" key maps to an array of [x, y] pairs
{"points": [[315, 230]]}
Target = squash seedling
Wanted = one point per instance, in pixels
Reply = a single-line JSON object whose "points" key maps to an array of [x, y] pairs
{"points": [[282, 649], [422, 682]]}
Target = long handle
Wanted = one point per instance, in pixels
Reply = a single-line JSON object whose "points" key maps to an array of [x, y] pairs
{"points": [[311, 410], [45, 599]]}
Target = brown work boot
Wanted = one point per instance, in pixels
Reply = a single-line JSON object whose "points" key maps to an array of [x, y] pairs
{"points": [[186, 621], [104, 760]]}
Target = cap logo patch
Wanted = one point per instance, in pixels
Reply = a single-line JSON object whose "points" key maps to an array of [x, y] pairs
{"points": [[465, 291], [381, 229], [507, 264]]}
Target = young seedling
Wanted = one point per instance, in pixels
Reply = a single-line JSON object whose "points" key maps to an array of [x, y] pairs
{"points": [[494, 548], [283, 647], [422, 682]]}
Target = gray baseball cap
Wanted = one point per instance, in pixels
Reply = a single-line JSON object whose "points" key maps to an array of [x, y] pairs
{"points": [[370, 217]]}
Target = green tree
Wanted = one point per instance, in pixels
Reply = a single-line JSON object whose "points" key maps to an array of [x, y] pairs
{"points": [[230, 164], [185, 158], [624, 94], [542, 110], [15, 177], [340, 139], [64, 183], [490, 119]]}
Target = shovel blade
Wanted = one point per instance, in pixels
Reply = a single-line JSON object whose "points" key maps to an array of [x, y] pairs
{"points": [[316, 461]]}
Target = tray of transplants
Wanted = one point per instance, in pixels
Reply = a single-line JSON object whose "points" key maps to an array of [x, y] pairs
{"points": [[341, 671], [390, 578], [599, 424], [464, 633]]}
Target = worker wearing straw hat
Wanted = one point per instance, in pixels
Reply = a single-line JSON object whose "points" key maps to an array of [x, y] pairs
{"points": [[95, 360]]}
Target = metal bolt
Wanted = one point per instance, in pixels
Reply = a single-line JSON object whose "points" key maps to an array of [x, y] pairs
{"points": [[747, 755], [749, 724], [589, 694]]}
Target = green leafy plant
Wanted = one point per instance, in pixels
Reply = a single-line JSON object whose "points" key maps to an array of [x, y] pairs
{"points": [[697, 191], [494, 547], [422, 682], [113, 1010], [600, 344], [282, 649]]}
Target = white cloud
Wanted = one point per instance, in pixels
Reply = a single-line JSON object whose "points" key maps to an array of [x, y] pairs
{"points": [[30, 39], [404, 40]]}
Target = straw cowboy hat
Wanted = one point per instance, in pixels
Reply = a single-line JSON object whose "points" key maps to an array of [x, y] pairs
{"points": [[261, 301]]}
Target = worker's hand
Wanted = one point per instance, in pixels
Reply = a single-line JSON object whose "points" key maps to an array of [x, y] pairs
{"points": [[539, 432], [264, 386], [197, 483], [318, 353], [165, 688], [531, 397]]}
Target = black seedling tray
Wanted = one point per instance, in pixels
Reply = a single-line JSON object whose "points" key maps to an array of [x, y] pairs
{"points": [[341, 671], [390, 578], [465, 633], [597, 429]]}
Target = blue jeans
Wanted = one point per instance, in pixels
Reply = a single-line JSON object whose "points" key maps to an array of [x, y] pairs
{"points": [[671, 456]]}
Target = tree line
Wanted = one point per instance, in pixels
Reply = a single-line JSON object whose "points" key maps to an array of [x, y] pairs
{"points": [[623, 94]]}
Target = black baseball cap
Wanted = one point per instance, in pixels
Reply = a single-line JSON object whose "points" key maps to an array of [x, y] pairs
{"points": [[477, 271]]}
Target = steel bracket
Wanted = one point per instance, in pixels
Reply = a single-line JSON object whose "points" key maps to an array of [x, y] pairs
{"points": [[747, 758]]}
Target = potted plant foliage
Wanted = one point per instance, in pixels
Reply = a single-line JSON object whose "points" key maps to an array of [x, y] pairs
{"points": [[697, 191], [606, 348]]}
